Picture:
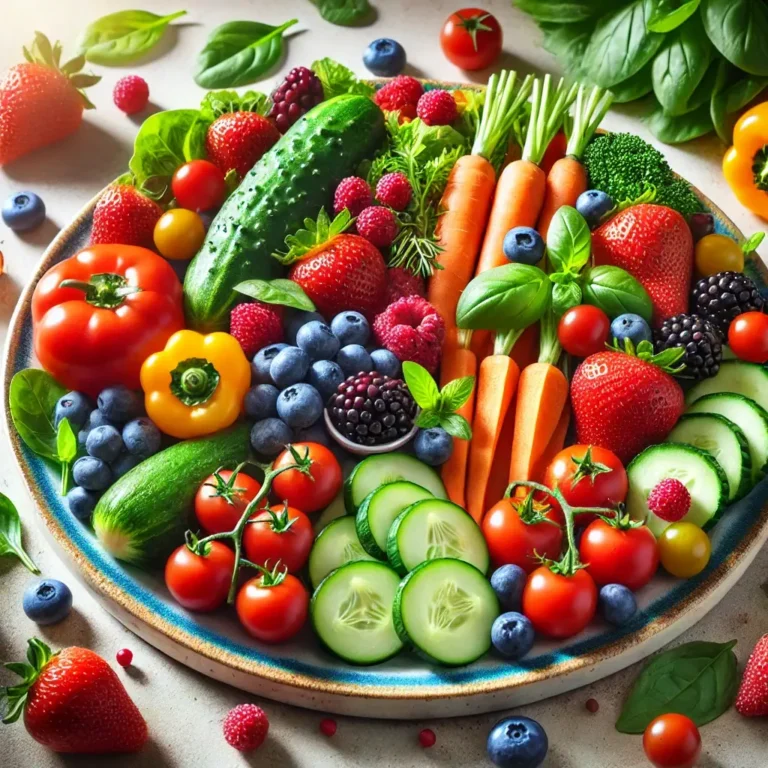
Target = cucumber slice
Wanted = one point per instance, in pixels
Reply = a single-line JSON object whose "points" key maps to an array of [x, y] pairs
{"points": [[336, 545], [724, 441], [433, 529], [384, 468], [352, 612], [748, 379], [694, 468], [749, 417], [445, 609]]}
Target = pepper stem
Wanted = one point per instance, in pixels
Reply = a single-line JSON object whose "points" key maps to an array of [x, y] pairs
{"points": [[194, 381], [760, 168], [105, 290]]}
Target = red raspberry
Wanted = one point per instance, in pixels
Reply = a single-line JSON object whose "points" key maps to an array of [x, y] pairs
{"points": [[245, 727], [352, 193], [402, 282], [255, 325], [411, 329], [394, 190], [401, 93], [437, 108], [669, 500], [131, 94], [377, 225]]}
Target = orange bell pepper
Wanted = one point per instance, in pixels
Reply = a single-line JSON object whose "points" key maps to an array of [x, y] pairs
{"points": [[745, 165]]}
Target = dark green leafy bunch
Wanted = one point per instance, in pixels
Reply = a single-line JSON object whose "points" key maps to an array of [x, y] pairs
{"points": [[626, 167]]}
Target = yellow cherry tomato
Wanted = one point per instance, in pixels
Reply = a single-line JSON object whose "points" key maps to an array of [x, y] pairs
{"points": [[684, 550], [718, 253], [745, 165], [179, 233]]}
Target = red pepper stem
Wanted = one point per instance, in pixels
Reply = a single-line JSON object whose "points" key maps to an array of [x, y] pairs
{"points": [[106, 290]]}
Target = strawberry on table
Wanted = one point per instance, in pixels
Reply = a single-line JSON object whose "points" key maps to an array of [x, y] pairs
{"points": [[124, 216], [752, 699]]}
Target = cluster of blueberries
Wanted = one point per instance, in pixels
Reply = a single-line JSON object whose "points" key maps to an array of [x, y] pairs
{"points": [[293, 381], [115, 436]]}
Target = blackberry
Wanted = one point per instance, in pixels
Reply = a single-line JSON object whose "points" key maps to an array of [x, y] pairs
{"points": [[720, 298], [372, 409], [700, 340], [297, 94]]}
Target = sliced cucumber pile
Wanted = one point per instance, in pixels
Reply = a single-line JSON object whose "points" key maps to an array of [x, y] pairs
{"points": [[352, 612], [336, 545], [379, 510], [748, 379], [435, 528], [445, 609], [724, 441]]}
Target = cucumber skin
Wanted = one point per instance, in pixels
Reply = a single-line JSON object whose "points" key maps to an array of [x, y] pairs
{"points": [[364, 530], [291, 182], [393, 551], [153, 502]]}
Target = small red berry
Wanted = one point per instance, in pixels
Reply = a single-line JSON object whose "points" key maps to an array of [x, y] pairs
{"points": [[377, 225], [352, 193], [131, 94], [401, 94], [394, 190], [328, 727], [592, 705], [124, 657], [246, 727], [669, 500], [437, 107], [427, 738], [255, 325]]}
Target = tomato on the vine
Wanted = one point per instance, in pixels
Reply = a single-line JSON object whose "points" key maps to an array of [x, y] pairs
{"points": [[748, 337], [199, 185], [583, 330], [559, 606], [471, 38], [672, 741], [684, 549], [279, 533], [309, 494], [178, 234], [272, 607], [200, 582], [222, 498]]}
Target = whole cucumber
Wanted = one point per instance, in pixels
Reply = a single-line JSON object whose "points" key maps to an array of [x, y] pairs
{"points": [[291, 182]]}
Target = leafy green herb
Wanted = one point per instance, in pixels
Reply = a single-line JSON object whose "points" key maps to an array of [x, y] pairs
{"points": [[32, 397], [616, 292], [338, 79], [732, 92], [239, 52], [123, 37], [10, 534], [564, 297], [563, 11], [753, 243], [698, 679], [66, 448], [739, 30], [635, 87], [568, 42], [672, 129], [670, 14], [284, 292], [344, 13], [217, 103], [569, 242]]}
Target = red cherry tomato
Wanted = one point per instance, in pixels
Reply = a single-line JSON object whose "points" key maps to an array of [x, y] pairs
{"points": [[471, 38], [615, 556], [220, 501], [199, 186], [273, 613], [583, 330], [748, 337], [672, 741], [512, 540], [301, 491], [283, 534], [200, 582], [559, 606]]}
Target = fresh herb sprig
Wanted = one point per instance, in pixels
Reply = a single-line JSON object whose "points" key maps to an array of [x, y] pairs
{"points": [[10, 534]]}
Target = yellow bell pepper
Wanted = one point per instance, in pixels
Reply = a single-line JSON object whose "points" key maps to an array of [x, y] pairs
{"points": [[745, 165], [196, 385]]}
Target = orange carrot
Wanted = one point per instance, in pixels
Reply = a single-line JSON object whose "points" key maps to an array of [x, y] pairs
{"points": [[499, 479], [556, 443], [526, 349]]}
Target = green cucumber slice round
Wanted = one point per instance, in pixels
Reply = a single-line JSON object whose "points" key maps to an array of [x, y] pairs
{"points": [[445, 608], [336, 545], [748, 379]]}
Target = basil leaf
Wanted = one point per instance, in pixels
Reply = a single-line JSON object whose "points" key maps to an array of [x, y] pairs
{"points": [[732, 92], [513, 296], [616, 292], [752, 243], [123, 37], [673, 129], [455, 393], [697, 679], [569, 241], [32, 398], [456, 426], [337, 79], [670, 14], [427, 419], [739, 30], [10, 534], [562, 11], [343, 12], [565, 296], [279, 291], [635, 87], [239, 52], [421, 385]]}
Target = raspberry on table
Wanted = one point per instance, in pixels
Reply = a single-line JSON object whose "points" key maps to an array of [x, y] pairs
{"points": [[352, 193], [377, 225], [246, 727], [131, 94], [394, 190], [255, 326], [437, 107]]}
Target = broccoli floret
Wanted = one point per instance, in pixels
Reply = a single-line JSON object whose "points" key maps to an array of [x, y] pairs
{"points": [[625, 166]]}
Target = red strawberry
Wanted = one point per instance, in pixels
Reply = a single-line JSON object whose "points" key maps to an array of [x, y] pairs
{"points": [[255, 325], [40, 102], [123, 215], [73, 702], [752, 700], [653, 243], [237, 140]]}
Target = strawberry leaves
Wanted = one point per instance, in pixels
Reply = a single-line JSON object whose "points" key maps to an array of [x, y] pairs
{"points": [[644, 351], [14, 697], [314, 234]]}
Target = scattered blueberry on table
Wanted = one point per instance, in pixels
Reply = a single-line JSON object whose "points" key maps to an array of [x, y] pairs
{"points": [[384, 57], [23, 211], [47, 601], [517, 742]]}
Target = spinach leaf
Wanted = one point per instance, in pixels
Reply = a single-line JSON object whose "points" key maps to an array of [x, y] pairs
{"points": [[569, 242], [673, 129], [697, 679], [123, 37], [739, 30], [10, 534], [345, 13], [568, 42], [616, 292], [562, 11], [670, 14], [284, 292], [239, 52], [635, 87], [66, 448], [337, 79], [32, 398], [565, 296], [732, 92]]}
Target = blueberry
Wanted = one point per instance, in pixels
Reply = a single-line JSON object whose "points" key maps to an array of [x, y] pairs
{"points": [[433, 446], [92, 474], [701, 224], [120, 404], [263, 361], [317, 433], [631, 327], [508, 582], [261, 401], [270, 436], [124, 463], [104, 443], [48, 601], [317, 340], [23, 211], [82, 439], [325, 376], [300, 406], [296, 320], [142, 438], [384, 57], [512, 635], [517, 742], [74, 406], [351, 328], [290, 366], [593, 205], [617, 604], [81, 502], [523, 245], [353, 359], [385, 362], [96, 419]]}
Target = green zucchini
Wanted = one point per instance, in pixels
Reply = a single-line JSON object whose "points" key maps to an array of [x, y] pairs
{"points": [[290, 183], [141, 519]]}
